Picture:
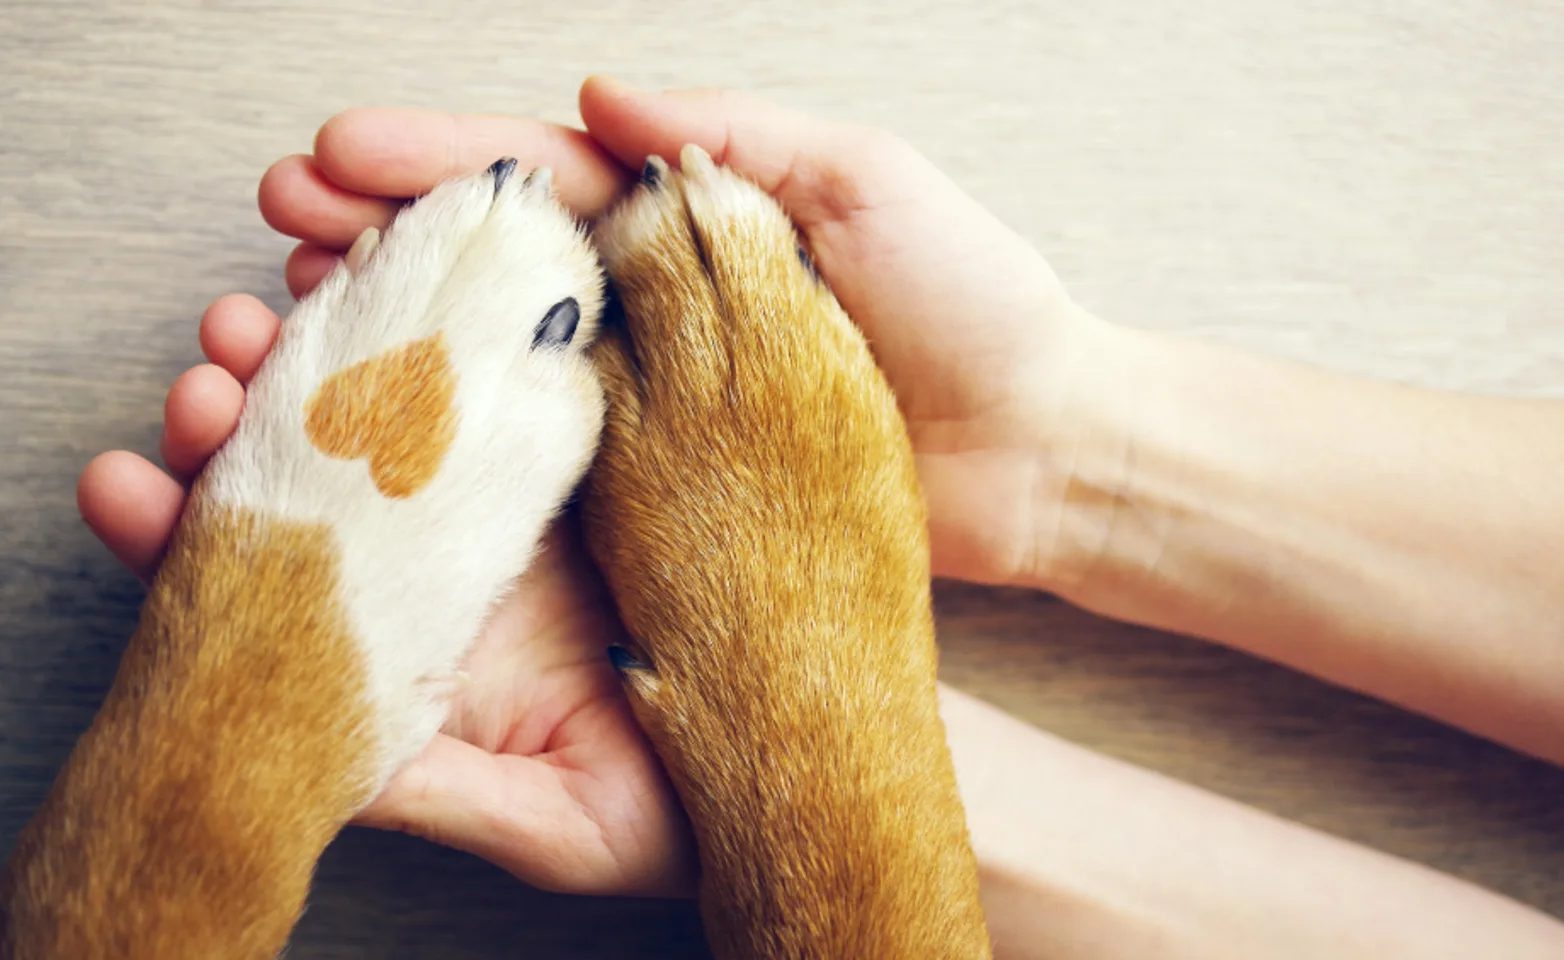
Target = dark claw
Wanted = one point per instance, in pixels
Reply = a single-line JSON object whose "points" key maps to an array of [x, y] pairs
{"points": [[653, 170], [501, 170], [558, 325], [624, 660], [808, 262]]}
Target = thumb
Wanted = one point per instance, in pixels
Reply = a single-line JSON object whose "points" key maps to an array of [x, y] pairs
{"points": [[510, 810], [821, 171]]}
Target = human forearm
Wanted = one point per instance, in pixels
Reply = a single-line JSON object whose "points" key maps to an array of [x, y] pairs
{"points": [[1398, 541], [1083, 856]]}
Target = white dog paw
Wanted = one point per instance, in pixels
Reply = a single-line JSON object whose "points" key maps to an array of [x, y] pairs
{"points": [[429, 406]]}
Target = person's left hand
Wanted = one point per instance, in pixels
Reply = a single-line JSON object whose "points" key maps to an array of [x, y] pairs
{"points": [[541, 768]]}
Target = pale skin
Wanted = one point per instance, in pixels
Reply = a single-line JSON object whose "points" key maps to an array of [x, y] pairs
{"points": [[1251, 499]]}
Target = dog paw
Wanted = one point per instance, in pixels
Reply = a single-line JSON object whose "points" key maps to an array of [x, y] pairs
{"points": [[424, 413], [756, 512], [755, 478]]}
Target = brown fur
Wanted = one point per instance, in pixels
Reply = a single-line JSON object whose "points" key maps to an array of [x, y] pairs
{"points": [[397, 409], [232, 747], [755, 509]]}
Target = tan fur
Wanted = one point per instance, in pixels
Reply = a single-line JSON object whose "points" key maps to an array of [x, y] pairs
{"points": [[755, 509], [221, 764], [395, 409]]}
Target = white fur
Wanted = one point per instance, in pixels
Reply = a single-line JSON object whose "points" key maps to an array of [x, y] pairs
{"points": [[420, 574]]}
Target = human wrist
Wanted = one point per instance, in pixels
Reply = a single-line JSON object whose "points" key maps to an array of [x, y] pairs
{"points": [[1359, 531], [1087, 506], [1163, 487]]}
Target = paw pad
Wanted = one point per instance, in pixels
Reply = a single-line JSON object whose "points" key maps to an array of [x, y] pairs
{"points": [[396, 409]]}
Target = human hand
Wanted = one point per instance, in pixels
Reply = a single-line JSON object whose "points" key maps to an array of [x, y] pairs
{"points": [[968, 322], [541, 768], [989, 358]]}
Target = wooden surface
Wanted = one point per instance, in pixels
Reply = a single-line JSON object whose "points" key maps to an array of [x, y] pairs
{"points": [[1372, 191]]}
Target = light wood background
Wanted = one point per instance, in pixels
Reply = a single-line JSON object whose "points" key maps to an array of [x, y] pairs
{"points": [[1371, 190]]}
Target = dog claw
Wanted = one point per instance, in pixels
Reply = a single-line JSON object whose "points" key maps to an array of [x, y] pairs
{"points": [[558, 326], [541, 179], [359, 253], [695, 161], [623, 660], [501, 170], [653, 171]]}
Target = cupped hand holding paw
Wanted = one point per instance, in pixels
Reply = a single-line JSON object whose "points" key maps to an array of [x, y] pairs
{"points": [[542, 768]]}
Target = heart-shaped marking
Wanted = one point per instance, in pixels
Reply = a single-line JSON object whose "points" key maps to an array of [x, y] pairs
{"points": [[396, 409]]}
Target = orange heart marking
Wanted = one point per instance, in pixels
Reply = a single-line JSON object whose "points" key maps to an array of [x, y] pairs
{"points": [[397, 409]]}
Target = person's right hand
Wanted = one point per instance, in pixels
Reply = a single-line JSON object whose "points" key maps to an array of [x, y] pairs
{"points": [[986, 352]]}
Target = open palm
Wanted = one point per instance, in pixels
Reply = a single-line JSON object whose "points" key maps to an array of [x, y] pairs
{"points": [[541, 768]]}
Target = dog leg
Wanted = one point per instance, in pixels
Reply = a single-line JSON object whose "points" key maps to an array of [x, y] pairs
{"points": [[756, 512], [420, 420]]}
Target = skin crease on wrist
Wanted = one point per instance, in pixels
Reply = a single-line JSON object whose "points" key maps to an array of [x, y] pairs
{"points": [[1039, 441], [1380, 537]]}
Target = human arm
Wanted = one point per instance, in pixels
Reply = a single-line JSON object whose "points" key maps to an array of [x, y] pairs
{"points": [[1083, 856], [1398, 541]]}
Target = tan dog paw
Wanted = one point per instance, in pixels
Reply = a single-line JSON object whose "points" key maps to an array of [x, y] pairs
{"points": [[756, 511]]}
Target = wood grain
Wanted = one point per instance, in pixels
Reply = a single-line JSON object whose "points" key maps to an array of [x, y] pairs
{"points": [[1372, 191]]}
